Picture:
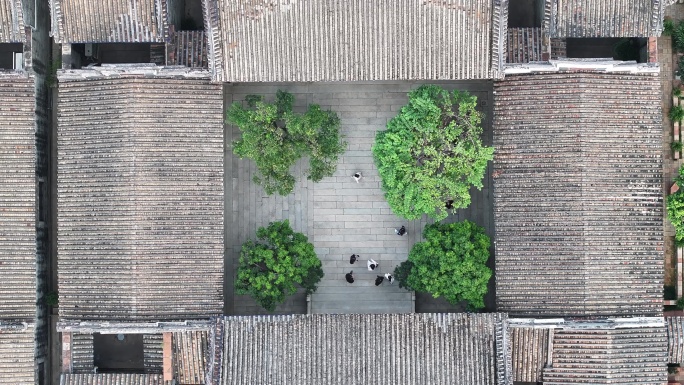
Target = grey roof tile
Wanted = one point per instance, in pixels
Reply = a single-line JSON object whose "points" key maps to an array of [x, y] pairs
{"points": [[617, 356], [328, 40], [17, 198], [140, 197], [530, 349], [17, 355], [366, 349], [601, 18], [82, 353], [675, 339], [11, 22], [590, 351], [189, 351], [111, 379], [123, 21], [153, 352], [189, 48], [578, 195]]}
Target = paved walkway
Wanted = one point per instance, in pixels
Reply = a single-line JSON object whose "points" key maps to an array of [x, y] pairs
{"points": [[667, 64], [340, 216]]}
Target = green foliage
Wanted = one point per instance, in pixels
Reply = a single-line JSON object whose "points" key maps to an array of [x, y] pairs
{"points": [[668, 27], [676, 113], [450, 263], [675, 209], [680, 303], [677, 91], [431, 152], [676, 146], [275, 138], [51, 76], [680, 63], [51, 298], [669, 292], [626, 49], [678, 37], [272, 269]]}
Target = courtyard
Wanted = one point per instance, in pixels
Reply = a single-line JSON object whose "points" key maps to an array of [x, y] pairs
{"points": [[339, 216]]}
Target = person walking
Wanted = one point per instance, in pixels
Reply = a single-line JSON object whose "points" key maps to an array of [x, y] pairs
{"points": [[389, 278], [353, 258], [400, 231], [378, 280], [372, 265], [350, 277]]}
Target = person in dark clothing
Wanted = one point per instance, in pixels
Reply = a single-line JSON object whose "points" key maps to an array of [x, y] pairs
{"points": [[378, 280], [350, 276], [354, 258]]}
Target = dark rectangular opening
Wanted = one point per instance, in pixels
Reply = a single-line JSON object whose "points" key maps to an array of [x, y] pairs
{"points": [[41, 373], [617, 48], [8, 55], [193, 17], [120, 353], [525, 13], [112, 53]]}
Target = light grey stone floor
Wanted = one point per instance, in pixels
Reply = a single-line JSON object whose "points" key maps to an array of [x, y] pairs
{"points": [[340, 216]]}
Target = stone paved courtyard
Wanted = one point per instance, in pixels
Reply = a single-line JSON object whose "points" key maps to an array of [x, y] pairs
{"points": [[339, 216]]}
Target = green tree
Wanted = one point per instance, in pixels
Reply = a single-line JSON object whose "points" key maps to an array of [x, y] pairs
{"points": [[675, 209], [450, 263], [272, 269], [678, 37], [51, 298], [275, 138], [431, 153]]}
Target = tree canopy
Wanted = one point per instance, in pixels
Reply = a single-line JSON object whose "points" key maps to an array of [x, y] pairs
{"points": [[675, 209], [272, 269], [450, 263], [275, 138], [431, 153]]}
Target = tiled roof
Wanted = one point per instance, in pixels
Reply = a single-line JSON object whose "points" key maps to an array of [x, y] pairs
{"points": [[601, 18], [329, 40], [17, 198], [578, 195], [675, 339], [111, 379], [124, 21], [153, 352], [366, 349], [189, 351], [11, 22], [17, 355], [82, 353], [601, 351], [530, 350], [524, 45], [616, 356], [140, 197], [189, 48]]}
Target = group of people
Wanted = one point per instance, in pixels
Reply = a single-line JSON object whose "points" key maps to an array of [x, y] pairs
{"points": [[372, 265]]}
